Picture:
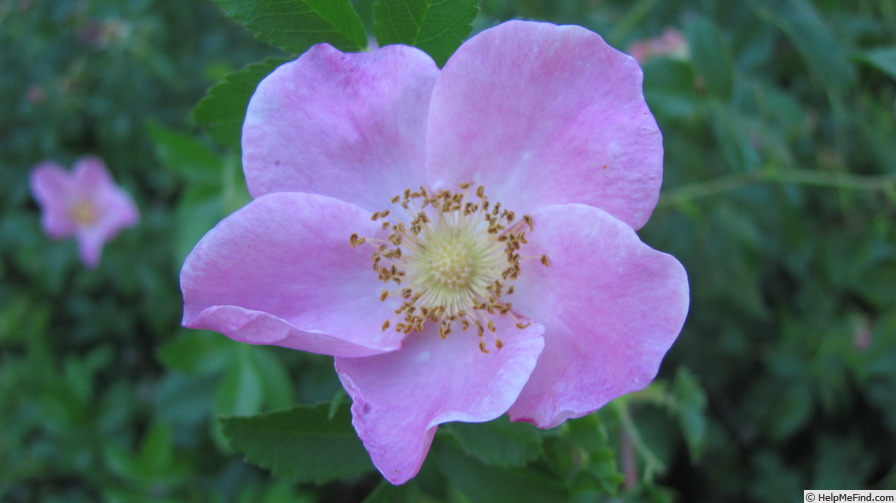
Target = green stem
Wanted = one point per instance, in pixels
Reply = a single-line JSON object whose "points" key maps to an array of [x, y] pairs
{"points": [[807, 177], [632, 19], [653, 463]]}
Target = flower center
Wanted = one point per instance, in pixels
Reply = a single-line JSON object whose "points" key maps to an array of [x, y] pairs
{"points": [[447, 265], [83, 213], [454, 260]]}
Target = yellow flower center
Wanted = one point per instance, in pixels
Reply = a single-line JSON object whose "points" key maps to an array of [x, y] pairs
{"points": [[453, 260], [83, 213]]}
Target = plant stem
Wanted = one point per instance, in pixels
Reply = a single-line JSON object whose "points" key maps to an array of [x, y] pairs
{"points": [[807, 177]]}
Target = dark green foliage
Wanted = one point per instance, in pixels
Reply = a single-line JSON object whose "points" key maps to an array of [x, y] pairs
{"points": [[222, 111], [499, 442], [710, 58], [436, 26], [296, 25], [482, 482], [304, 443]]}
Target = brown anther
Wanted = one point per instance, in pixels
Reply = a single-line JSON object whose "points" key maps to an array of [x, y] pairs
{"points": [[480, 192], [491, 326], [384, 295], [396, 199], [385, 325], [356, 240], [482, 347], [464, 185], [528, 220], [499, 343], [545, 261]]}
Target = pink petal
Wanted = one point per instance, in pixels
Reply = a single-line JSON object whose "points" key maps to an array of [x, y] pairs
{"points": [[400, 398], [91, 175], [542, 114], [90, 246], [350, 126], [281, 271], [52, 186], [611, 307]]}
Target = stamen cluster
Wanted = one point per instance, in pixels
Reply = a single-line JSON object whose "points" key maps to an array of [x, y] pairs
{"points": [[453, 260]]}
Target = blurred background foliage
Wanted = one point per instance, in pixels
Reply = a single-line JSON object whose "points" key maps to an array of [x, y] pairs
{"points": [[779, 198]]}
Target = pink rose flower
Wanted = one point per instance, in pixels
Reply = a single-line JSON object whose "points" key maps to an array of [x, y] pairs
{"points": [[85, 203], [462, 241], [670, 43]]}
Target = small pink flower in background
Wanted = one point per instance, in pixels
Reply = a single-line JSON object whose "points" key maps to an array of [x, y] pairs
{"points": [[670, 43], [461, 240], [84, 203]]}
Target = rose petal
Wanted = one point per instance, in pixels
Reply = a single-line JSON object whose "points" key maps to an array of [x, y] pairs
{"points": [[90, 174], [345, 125], [90, 246], [281, 271], [51, 186], [542, 114], [611, 307], [114, 208], [400, 398]]}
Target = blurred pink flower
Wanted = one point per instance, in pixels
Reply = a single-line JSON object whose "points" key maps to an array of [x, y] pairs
{"points": [[670, 43], [497, 199], [84, 203]]}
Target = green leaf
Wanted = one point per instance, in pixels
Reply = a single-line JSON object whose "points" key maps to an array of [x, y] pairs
{"points": [[197, 352], [710, 58], [882, 58], [733, 132], [481, 482], [240, 391], [296, 25], [222, 111], [498, 442], [157, 449], [184, 154], [278, 389], [669, 87], [809, 32], [436, 26], [300, 443], [387, 493], [690, 403]]}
